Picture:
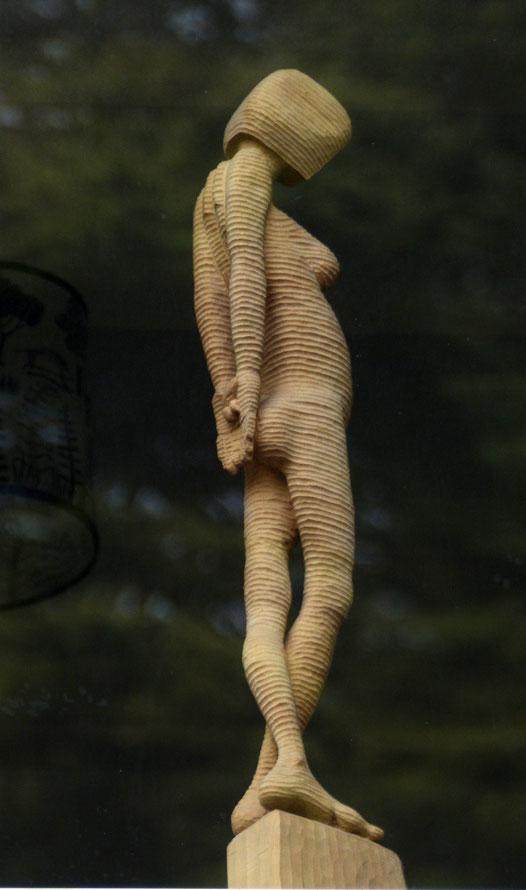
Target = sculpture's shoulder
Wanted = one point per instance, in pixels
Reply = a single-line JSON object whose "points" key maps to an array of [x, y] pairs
{"points": [[215, 185], [210, 218], [210, 204], [214, 188]]}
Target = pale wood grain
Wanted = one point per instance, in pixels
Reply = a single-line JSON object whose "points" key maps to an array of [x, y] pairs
{"points": [[281, 372], [282, 850], [295, 117]]}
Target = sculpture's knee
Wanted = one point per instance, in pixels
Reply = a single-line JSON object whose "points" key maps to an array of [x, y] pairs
{"points": [[263, 638], [324, 617], [277, 538], [328, 591], [267, 585]]}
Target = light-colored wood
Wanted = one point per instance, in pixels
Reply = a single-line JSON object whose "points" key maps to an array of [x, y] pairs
{"points": [[281, 372], [288, 851], [295, 117]]}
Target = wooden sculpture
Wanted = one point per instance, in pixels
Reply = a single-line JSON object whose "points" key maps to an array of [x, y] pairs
{"points": [[280, 369]]}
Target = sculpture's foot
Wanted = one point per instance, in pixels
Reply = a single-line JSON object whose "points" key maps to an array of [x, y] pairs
{"points": [[293, 788], [247, 811]]}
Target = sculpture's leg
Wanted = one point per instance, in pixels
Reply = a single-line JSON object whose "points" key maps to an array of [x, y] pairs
{"points": [[319, 484], [307, 674], [269, 534], [306, 686], [249, 809], [318, 481]]}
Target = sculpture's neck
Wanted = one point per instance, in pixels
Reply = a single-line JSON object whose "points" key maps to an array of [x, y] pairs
{"points": [[275, 164]]}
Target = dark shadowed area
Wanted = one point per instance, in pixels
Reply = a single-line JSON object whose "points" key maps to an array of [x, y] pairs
{"points": [[127, 731]]}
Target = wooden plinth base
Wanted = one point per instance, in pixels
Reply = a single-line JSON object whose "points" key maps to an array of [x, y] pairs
{"points": [[282, 850]]}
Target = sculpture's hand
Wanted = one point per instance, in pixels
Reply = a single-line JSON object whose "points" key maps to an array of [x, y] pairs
{"points": [[235, 407], [246, 405], [228, 430], [229, 449]]}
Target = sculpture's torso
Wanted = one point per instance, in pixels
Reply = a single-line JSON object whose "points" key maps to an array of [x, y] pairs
{"points": [[303, 344]]}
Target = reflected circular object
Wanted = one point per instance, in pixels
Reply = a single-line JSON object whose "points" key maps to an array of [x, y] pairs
{"points": [[45, 546], [48, 539]]}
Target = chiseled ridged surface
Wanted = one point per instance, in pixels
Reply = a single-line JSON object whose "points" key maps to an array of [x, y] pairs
{"points": [[281, 373], [288, 851], [295, 117]]}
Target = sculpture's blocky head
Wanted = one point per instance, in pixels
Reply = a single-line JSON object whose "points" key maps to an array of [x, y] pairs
{"points": [[294, 116]]}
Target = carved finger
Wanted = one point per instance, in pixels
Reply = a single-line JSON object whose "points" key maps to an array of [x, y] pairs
{"points": [[232, 411]]}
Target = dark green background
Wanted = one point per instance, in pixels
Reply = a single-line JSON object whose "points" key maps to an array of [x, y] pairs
{"points": [[127, 732]]}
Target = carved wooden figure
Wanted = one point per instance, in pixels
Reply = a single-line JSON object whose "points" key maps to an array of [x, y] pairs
{"points": [[281, 373]]}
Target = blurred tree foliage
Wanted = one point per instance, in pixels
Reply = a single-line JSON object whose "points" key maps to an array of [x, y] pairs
{"points": [[127, 730]]}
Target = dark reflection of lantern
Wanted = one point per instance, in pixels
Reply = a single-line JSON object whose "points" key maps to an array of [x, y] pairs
{"points": [[47, 536]]}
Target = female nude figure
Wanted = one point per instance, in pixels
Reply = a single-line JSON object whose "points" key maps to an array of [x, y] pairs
{"points": [[281, 372]]}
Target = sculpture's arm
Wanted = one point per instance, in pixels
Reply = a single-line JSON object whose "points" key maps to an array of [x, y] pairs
{"points": [[213, 320], [211, 305], [248, 196]]}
